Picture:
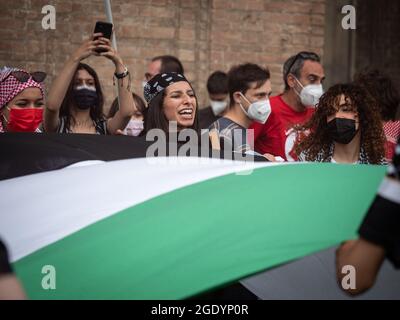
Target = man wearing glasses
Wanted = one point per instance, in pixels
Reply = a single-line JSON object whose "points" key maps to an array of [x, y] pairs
{"points": [[303, 75]]}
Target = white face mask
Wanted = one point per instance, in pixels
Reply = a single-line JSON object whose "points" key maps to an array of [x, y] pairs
{"points": [[310, 94], [134, 127], [258, 111], [218, 106]]}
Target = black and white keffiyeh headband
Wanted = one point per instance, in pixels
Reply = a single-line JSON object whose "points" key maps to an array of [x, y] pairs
{"points": [[159, 82]]}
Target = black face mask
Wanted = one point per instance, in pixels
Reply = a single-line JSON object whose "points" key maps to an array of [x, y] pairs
{"points": [[342, 130], [85, 98]]}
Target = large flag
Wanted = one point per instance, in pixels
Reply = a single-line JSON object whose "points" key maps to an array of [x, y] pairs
{"points": [[173, 227]]}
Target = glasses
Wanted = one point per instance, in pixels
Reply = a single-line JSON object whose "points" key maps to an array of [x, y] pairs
{"points": [[305, 55], [23, 76]]}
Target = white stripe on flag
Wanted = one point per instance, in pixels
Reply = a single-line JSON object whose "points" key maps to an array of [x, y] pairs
{"points": [[40, 209]]}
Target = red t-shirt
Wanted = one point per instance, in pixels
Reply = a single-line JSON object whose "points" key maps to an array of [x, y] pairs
{"points": [[275, 136]]}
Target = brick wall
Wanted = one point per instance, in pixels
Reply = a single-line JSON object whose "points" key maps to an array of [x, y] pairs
{"points": [[205, 34]]}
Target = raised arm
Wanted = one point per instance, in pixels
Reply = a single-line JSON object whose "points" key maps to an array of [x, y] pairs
{"points": [[127, 105], [379, 233], [61, 83]]}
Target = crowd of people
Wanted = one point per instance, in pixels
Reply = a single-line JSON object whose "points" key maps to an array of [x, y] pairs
{"points": [[352, 123], [348, 123]]}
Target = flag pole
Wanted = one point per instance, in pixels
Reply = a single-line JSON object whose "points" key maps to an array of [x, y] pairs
{"points": [[107, 6]]}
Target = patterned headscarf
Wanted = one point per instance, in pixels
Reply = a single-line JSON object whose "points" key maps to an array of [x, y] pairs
{"points": [[10, 87], [159, 82]]}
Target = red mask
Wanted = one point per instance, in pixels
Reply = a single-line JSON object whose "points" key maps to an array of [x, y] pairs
{"points": [[24, 120]]}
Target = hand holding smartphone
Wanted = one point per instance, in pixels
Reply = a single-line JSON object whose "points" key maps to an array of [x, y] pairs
{"points": [[106, 29]]}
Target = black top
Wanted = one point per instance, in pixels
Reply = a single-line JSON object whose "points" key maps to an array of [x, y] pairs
{"points": [[206, 117], [381, 225], [100, 126], [4, 264]]}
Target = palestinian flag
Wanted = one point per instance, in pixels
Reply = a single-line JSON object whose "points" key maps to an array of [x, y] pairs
{"points": [[130, 227]]}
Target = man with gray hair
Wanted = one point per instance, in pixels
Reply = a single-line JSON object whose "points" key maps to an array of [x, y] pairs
{"points": [[303, 75]]}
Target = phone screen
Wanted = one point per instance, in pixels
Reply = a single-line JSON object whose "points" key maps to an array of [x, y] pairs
{"points": [[105, 28]]}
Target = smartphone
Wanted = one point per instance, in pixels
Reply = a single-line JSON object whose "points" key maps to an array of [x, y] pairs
{"points": [[106, 29]]}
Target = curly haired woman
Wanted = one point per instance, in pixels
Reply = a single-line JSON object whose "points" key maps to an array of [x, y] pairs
{"points": [[345, 128]]}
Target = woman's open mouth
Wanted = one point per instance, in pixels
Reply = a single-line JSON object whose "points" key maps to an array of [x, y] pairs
{"points": [[187, 113]]}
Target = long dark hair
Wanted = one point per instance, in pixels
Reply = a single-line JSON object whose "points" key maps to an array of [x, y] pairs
{"points": [[96, 112], [370, 124], [381, 87], [156, 119]]}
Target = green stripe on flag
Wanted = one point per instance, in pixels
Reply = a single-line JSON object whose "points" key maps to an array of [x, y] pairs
{"points": [[207, 234]]}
